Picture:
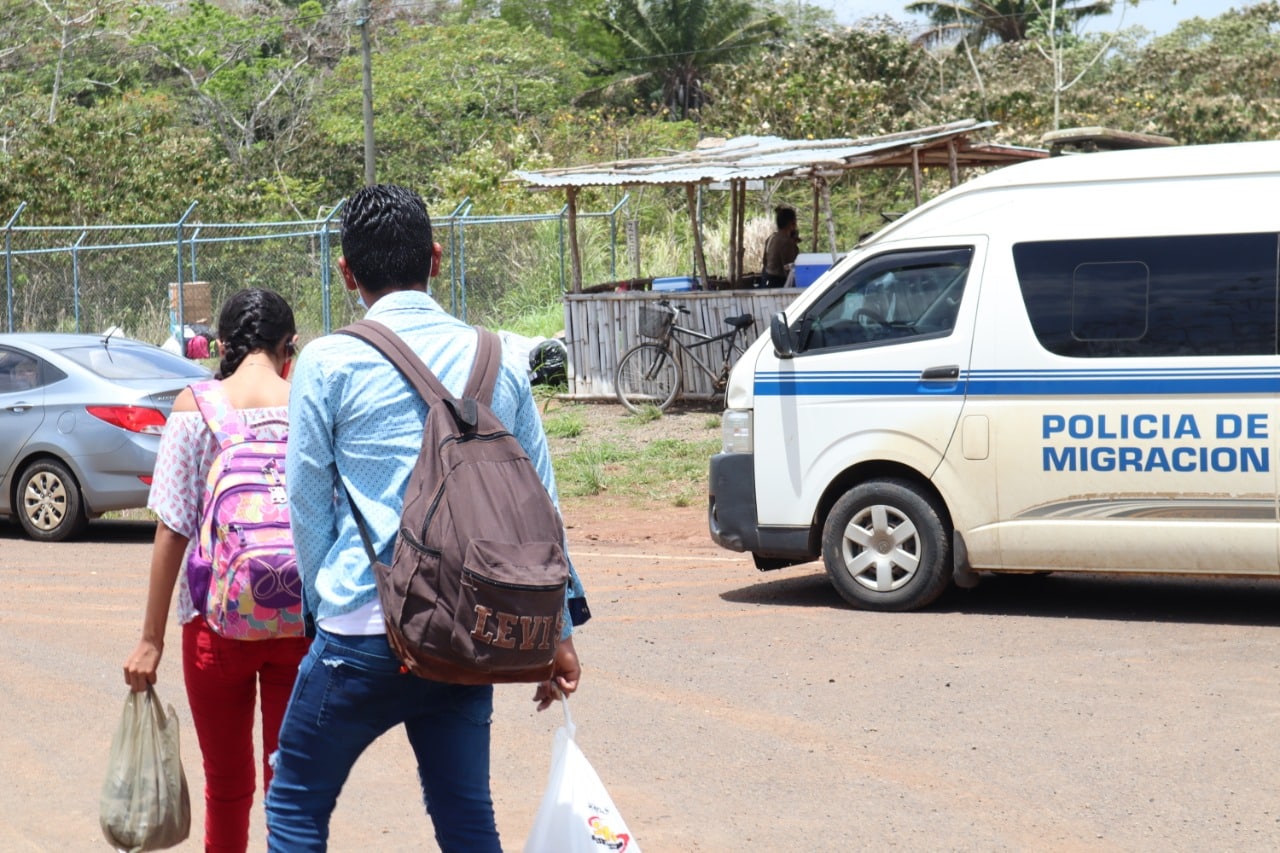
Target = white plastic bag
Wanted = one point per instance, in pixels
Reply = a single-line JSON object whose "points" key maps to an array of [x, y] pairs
{"points": [[145, 804], [577, 814]]}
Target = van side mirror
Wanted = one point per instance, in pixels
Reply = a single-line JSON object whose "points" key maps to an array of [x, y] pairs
{"points": [[784, 343]]}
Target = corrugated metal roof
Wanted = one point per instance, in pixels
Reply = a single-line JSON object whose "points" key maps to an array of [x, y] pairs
{"points": [[761, 157]]}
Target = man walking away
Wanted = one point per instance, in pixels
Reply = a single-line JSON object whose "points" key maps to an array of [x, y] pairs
{"points": [[356, 433]]}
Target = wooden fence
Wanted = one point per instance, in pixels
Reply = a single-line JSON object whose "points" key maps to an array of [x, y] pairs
{"points": [[601, 327]]}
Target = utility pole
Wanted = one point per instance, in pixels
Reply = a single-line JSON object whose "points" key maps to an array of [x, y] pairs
{"points": [[367, 69]]}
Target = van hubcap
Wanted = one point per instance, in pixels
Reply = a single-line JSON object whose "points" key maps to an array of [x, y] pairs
{"points": [[881, 548]]}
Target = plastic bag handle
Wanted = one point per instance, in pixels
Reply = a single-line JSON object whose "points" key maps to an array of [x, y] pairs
{"points": [[568, 718]]}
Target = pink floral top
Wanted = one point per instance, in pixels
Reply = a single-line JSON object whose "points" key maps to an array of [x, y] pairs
{"points": [[186, 451]]}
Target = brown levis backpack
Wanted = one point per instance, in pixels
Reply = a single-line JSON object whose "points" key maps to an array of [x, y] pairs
{"points": [[476, 587]]}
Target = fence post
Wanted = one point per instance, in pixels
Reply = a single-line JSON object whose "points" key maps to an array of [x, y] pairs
{"points": [[178, 332], [462, 261], [75, 277], [326, 266], [454, 271], [8, 265], [195, 238]]}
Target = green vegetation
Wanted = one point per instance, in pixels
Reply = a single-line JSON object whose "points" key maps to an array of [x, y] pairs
{"points": [[127, 111], [667, 470], [646, 413], [564, 423]]}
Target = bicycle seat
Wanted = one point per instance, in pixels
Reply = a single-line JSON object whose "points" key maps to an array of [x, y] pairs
{"points": [[741, 321]]}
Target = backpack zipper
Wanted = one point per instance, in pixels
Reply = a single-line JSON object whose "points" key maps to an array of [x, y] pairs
{"points": [[517, 586]]}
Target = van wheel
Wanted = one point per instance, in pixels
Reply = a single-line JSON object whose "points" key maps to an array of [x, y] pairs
{"points": [[886, 547], [49, 506]]}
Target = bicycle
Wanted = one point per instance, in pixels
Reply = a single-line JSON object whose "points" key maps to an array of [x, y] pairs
{"points": [[652, 372]]}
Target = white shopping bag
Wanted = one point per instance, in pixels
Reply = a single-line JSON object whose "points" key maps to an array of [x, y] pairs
{"points": [[577, 815]]}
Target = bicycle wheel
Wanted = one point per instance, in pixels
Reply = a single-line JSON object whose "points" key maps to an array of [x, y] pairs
{"points": [[647, 374]]}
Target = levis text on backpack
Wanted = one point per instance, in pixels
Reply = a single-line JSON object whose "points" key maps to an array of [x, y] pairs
{"points": [[476, 587], [243, 572]]}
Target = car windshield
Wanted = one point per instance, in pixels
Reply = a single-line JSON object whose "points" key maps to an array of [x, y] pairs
{"points": [[134, 363]]}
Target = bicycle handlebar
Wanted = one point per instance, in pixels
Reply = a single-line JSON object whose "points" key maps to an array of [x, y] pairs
{"points": [[667, 303]]}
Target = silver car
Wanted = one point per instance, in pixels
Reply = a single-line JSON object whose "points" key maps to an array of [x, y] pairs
{"points": [[80, 423]]}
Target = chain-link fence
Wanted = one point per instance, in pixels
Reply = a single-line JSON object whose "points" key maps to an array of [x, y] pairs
{"points": [[91, 278]]}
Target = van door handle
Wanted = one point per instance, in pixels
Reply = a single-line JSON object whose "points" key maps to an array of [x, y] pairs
{"points": [[949, 372]]}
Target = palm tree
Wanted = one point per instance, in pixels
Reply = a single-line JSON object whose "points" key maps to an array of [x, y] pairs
{"points": [[977, 22], [674, 42]]}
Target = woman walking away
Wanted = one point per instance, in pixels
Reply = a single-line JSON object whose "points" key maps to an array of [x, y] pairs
{"points": [[205, 533]]}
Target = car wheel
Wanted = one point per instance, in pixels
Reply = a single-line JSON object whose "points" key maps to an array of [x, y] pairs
{"points": [[49, 504], [886, 546]]}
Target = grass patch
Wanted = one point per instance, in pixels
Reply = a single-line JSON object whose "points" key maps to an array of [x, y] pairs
{"points": [[565, 423], [647, 413], [712, 422], [667, 470]]}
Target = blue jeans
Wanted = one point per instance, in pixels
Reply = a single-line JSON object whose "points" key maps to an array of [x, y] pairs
{"points": [[349, 692]]}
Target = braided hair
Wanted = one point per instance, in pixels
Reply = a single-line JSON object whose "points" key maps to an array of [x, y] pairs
{"points": [[252, 320]]}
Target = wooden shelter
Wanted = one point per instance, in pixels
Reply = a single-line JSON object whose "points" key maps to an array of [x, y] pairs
{"points": [[601, 326], [735, 162]]}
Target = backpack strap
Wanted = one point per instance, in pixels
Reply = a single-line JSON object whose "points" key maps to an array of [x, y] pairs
{"points": [[484, 373], [424, 381], [219, 415]]}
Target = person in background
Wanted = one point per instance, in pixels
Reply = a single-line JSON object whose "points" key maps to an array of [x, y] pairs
{"points": [[257, 335], [781, 249], [357, 432]]}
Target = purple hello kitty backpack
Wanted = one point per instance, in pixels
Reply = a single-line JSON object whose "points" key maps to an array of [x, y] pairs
{"points": [[243, 573]]}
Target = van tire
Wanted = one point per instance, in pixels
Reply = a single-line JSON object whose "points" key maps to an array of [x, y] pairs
{"points": [[886, 546]]}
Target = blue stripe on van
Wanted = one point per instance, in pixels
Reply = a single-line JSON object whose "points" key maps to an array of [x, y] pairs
{"points": [[1024, 383]]}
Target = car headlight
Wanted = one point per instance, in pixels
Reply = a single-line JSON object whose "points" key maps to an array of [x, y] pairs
{"points": [[735, 431]]}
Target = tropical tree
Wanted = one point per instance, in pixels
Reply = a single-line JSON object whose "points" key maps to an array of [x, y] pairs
{"points": [[460, 92], [978, 22], [846, 82], [668, 45], [247, 79]]}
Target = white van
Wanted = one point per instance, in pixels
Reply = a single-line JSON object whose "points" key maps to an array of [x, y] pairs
{"points": [[1065, 365]]}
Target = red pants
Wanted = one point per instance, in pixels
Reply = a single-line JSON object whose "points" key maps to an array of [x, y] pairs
{"points": [[222, 681]]}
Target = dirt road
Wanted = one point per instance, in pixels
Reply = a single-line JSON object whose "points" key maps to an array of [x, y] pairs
{"points": [[728, 710]]}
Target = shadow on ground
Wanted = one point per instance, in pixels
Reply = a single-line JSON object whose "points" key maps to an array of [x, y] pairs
{"points": [[1226, 601], [105, 531]]}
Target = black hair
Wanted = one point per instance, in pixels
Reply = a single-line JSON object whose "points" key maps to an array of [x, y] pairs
{"points": [[386, 238], [252, 320], [784, 216]]}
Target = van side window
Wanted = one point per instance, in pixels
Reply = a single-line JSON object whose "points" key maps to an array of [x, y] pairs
{"points": [[1152, 296], [890, 298]]}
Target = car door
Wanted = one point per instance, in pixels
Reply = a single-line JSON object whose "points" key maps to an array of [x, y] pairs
{"points": [[878, 375], [21, 405]]}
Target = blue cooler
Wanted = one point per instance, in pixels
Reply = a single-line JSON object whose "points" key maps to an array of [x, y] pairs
{"points": [[810, 266], [673, 283]]}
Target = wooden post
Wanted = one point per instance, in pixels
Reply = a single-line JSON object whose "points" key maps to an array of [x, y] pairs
{"points": [[732, 233], [742, 230], [953, 162], [575, 257], [692, 195], [916, 178], [831, 221], [813, 228]]}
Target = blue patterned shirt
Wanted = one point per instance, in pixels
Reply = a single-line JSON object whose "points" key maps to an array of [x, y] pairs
{"points": [[354, 422]]}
